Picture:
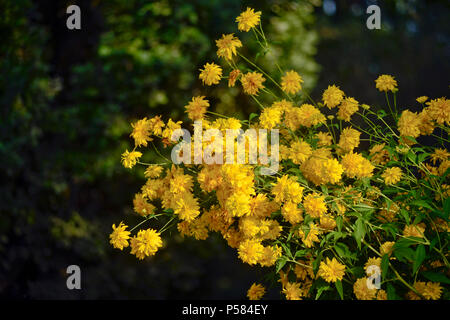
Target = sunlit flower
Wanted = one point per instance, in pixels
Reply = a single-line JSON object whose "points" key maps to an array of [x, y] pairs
{"points": [[252, 82], [332, 96], [386, 83], [119, 237], [291, 82], [256, 292], [226, 46], [210, 74], [248, 19]]}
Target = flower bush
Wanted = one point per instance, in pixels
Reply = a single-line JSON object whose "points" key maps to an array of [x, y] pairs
{"points": [[360, 195]]}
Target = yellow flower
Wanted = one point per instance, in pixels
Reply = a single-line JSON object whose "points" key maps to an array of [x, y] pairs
{"points": [[422, 99], [439, 110], [141, 206], [141, 132], [331, 171], [227, 46], [361, 291], [248, 19], [129, 159], [387, 248], [332, 96], [238, 204], [187, 207], [287, 189], [325, 139], [170, 128], [356, 166], [210, 74], [429, 290], [392, 175], [292, 213], [291, 82], [314, 205], [146, 243], [252, 82], [309, 115], [196, 108], [311, 237], [414, 230], [408, 124], [347, 108], [233, 77], [349, 139], [256, 292], [153, 171], [432, 291], [331, 270], [157, 124], [250, 251], [379, 155], [439, 155], [292, 291], [300, 152], [270, 256], [386, 83], [327, 222], [372, 262], [270, 117], [119, 237]]}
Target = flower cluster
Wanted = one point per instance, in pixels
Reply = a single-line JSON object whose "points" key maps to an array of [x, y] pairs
{"points": [[334, 211]]}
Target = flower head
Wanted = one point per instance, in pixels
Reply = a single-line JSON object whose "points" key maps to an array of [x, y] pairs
{"points": [[250, 251], [146, 243], [141, 132], [248, 19], [347, 108], [293, 291], [392, 175], [291, 82], [196, 108], [332, 96], [386, 83], [331, 270], [210, 74], [233, 77], [256, 292], [129, 159], [226, 46], [119, 237], [252, 82]]}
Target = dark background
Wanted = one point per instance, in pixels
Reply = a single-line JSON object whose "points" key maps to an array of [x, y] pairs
{"points": [[67, 98]]}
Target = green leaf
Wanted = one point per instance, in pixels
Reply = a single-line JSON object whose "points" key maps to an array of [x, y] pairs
{"points": [[251, 116], [447, 206], [405, 215], [422, 203], [339, 223], [320, 290], [391, 295], [384, 266], [360, 231], [419, 257], [436, 277], [339, 289], [422, 157], [300, 253], [411, 156], [341, 249], [405, 255], [280, 263]]}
